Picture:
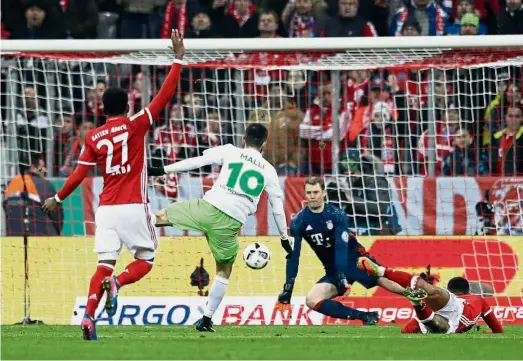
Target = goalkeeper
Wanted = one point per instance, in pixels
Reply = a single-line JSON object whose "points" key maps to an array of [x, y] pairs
{"points": [[325, 229]]}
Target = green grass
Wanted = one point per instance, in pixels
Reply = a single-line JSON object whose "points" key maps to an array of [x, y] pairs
{"points": [[254, 342]]}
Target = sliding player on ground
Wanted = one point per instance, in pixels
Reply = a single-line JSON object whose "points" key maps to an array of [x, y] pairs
{"points": [[123, 216], [451, 310], [223, 210], [325, 228]]}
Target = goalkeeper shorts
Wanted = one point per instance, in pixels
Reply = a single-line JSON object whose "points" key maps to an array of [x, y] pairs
{"points": [[220, 229]]}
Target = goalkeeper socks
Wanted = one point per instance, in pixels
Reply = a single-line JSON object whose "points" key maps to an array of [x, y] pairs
{"points": [[135, 271], [95, 288], [404, 279], [216, 294], [423, 312], [337, 310]]}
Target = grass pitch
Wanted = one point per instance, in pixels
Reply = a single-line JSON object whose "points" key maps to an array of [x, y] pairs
{"points": [[254, 342]]}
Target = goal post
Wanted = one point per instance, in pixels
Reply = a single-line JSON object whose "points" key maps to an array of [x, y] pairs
{"points": [[388, 109]]}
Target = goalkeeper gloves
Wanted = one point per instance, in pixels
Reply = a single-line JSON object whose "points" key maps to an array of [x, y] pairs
{"points": [[154, 171], [343, 286], [284, 299], [286, 244]]}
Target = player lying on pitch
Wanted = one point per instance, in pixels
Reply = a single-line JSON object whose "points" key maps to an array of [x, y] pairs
{"points": [[122, 217], [324, 227], [223, 210], [451, 310]]}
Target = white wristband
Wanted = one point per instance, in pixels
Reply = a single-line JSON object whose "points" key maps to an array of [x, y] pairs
{"points": [[57, 199]]}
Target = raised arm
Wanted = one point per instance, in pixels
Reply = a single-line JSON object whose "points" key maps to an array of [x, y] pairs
{"points": [[168, 88]]}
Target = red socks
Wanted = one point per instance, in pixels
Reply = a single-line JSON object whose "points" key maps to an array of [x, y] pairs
{"points": [[423, 312], [95, 288], [134, 272], [400, 277], [411, 327]]}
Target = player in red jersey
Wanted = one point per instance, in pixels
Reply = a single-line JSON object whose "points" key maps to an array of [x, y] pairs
{"points": [[451, 310], [123, 216]]}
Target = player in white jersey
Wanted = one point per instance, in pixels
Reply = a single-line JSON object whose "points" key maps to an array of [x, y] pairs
{"points": [[244, 175]]}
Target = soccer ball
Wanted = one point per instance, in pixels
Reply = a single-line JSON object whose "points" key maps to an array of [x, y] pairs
{"points": [[256, 256]]}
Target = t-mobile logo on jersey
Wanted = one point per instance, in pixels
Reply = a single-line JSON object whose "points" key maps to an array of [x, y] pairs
{"points": [[317, 238]]}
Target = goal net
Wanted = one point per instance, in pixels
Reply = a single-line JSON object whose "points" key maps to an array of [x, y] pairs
{"points": [[419, 140]]}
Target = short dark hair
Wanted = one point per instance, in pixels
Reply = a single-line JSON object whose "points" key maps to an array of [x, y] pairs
{"points": [[459, 286], [255, 135], [115, 101], [272, 13], [312, 181]]}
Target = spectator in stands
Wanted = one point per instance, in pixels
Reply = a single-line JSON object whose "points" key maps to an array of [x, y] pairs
{"points": [[72, 157], [379, 138], [510, 18], [375, 11], [469, 24], [496, 110], [193, 110], [174, 141], [93, 107], [136, 94], [506, 146], [316, 132], [347, 22], [301, 17], [268, 25], [465, 12], [139, 19], [109, 18], [464, 159], [487, 10], [411, 27], [42, 21], [301, 89], [238, 21], [81, 18], [445, 131], [363, 192], [201, 27], [210, 137], [32, 125], [282, 119], [431, 16], [30, 190], [64, 139], [179, 14]]}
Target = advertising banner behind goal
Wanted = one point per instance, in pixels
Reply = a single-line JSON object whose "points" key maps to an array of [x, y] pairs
{"points": [[60, 269], [421, 206]]}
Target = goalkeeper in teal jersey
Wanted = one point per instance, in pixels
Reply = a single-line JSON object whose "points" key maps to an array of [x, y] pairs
{"points": [[324, 227]]}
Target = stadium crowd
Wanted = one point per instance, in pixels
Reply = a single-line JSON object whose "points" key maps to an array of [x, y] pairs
{"points": [[478, 127]]}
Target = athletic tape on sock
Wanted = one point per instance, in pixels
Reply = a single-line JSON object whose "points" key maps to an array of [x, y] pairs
{"points": [[222, 280]]}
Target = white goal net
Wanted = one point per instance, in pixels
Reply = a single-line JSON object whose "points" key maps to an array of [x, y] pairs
{"points": [[407, 133]]}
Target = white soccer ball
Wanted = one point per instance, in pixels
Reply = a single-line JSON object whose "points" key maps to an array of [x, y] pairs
{"points": [[256, 256]]}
